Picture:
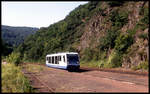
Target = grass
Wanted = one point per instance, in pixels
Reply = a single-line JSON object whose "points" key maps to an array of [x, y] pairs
{"points": [[144, 36], [13, 80], [14, 58], [143, 65], [113, 61], [34, 68], [89, 63]]}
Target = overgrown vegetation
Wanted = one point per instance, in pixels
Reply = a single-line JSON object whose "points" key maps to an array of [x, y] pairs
{"points": [[13, 80], [113, 61], [144, 36], [90, 64], [34, 68], [123, 42], [6, 48], [115, 3], [108, 41], [119, 18], [144, 21], [14, 58], [143, 65]]}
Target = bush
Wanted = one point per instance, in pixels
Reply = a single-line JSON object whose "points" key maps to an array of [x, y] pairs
{"points": [[114, 61], [115, 3], [13, 80], [144, 36], [101, 63], [92, 5], [123, 42], [132, 32], [6, 48], [96, 55], [108, 41], [145, 18], [119, 18], [34, 68], [13, 58], [143, 65], [88, 54], [103, 55], [89, 63], [144, 21]]}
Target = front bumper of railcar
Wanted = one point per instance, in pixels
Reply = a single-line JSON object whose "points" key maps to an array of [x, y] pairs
{"points": [[73, 67]]}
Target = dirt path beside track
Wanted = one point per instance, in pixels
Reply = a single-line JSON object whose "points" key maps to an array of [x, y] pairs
{"points": [[58, 80]]}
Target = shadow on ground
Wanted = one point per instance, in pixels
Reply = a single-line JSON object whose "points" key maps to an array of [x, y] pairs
{"points": [[79, 70]]}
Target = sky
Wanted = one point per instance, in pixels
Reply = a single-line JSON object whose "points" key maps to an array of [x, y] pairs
{"points": [[36, 14]]}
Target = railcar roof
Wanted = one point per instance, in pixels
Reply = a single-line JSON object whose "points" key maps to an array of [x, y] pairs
{"points": [[62, 53]]}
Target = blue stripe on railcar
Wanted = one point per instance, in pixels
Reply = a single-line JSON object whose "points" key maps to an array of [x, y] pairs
{"points": [[57, 66]]}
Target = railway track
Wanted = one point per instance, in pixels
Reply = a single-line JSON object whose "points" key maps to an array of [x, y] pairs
{"points": [[140, 73], [39, 84], [35, 77]]}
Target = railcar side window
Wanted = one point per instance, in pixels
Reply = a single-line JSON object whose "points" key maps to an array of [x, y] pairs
{"points": [[55, 59], [47, 58], [60, 58], [52, 59], [64, 58]]}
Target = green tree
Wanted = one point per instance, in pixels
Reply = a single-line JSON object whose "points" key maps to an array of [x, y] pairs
{"points": [[123, 42], [119, 18], [108, 41], [115, 3]]}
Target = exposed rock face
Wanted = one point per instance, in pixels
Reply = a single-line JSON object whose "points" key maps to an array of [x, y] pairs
{"points": [[95, 29], [133, 16], [138, 52], [98, 24]]}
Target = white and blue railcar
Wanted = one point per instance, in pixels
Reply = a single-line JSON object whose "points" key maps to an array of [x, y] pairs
{"points": [[65, 60]]}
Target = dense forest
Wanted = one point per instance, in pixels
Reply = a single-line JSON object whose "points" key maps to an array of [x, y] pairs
{"points": [[14, 36], [112, 33]]}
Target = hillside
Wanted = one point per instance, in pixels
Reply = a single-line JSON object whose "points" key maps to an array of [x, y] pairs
{"points": [[16, 35], [112, 33]]}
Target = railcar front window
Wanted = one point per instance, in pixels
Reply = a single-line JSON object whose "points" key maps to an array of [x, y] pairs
{"points": [[72, 58]]}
